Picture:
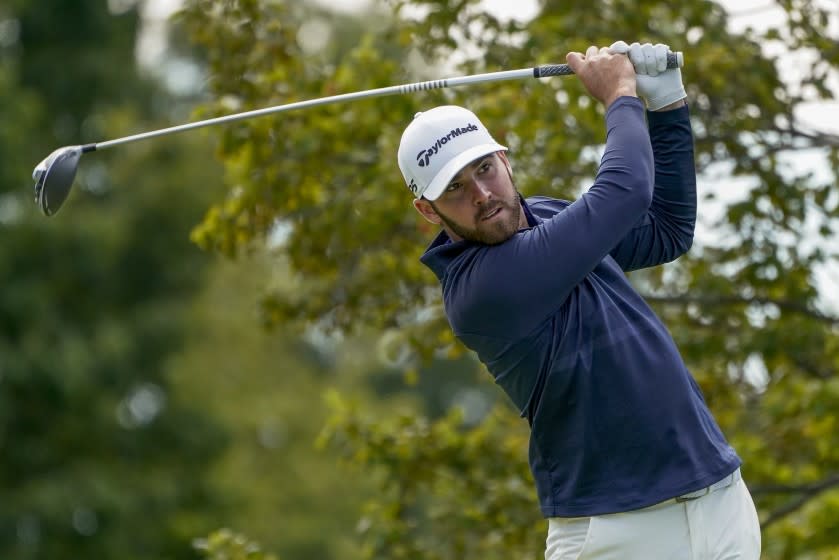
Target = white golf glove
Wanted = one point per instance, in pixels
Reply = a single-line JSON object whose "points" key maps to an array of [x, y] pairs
{"points": [[657, 85]]}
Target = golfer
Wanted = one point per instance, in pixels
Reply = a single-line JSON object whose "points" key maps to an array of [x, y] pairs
{"points": [[628, 461]]}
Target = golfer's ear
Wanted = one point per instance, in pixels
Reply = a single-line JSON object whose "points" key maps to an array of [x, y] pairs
{"points": [[427, 212]]}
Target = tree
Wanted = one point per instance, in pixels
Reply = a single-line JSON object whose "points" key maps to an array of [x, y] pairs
{"points": [[227, 545], [100, 458], [744, 305], [265, 391]]}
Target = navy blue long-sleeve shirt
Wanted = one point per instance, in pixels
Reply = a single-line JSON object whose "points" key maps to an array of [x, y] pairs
{"points": [[617, 421]]}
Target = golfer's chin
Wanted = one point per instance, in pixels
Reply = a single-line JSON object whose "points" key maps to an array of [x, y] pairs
{"points": [[495, 232]]}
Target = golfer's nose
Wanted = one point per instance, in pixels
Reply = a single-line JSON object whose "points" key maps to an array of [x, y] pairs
{"points": [[480, 192]]}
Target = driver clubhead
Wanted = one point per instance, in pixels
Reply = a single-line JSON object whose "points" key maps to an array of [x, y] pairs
{"points": [[54, 178]]}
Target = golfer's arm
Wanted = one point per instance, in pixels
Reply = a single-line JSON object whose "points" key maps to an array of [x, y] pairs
{"points": [[666, 230], [534, 272]]}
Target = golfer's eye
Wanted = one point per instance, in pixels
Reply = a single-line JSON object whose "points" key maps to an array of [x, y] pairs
{"points": [[485, 166], [453, 187]]}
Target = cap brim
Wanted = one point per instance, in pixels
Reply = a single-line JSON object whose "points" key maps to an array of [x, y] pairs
{"points": [[453, 167]]}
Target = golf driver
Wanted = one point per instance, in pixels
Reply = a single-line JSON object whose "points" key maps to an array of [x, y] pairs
{"points": [[54, 175]]}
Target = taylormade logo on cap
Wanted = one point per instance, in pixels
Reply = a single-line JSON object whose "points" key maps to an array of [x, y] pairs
{"points": [[425, 155], [438, 144]]}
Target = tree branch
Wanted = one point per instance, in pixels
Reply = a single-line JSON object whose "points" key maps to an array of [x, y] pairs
{"points": [[807, 491], [818, 137], [716, 301], [812, 369]]}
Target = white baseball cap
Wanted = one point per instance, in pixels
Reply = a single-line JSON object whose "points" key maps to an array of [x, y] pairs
{"points": [[438, 144]]}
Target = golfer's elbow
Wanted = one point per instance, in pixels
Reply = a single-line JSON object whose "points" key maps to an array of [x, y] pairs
{"points": [[641, 194], [683, 244], [681, 240]]}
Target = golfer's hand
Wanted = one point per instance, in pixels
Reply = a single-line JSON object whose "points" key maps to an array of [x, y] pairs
{"points": [[606, 75], [657, 86]]}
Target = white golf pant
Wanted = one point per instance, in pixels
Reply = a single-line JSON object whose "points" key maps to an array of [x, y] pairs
{"points": [[718, 523]]}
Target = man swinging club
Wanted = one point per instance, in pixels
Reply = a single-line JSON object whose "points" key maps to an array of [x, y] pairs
{"points": [[628, 461]]}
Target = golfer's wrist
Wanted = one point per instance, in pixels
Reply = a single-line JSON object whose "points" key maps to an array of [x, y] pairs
{"points": [[617, 94], [673, 106]]}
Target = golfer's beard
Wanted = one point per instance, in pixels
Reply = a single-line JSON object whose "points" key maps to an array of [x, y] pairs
{"points": [[492, 232]]}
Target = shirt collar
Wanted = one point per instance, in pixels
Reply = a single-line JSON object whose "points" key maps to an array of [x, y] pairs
{"points": [[442, 250]]}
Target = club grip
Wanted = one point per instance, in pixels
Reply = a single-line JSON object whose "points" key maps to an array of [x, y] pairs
{"points": [[674, 60]]}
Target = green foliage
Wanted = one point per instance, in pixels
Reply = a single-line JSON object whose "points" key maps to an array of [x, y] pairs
{"points": [[100, 458], [224, 544], [336, 163], [265, 390], [446, 490], [744, 305]]}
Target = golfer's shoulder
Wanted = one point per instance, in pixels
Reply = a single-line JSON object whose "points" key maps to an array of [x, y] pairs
{"points": [[545, 206]]}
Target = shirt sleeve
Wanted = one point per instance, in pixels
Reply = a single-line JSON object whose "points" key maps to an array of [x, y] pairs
{"points": [[530, 275], [666, 230]]}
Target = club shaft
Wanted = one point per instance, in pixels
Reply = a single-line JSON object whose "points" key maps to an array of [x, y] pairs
{"points": [[379, 92], [674, 60]]}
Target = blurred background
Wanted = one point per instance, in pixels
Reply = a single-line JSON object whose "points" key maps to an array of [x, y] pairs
{"points": [[225, 338]]}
